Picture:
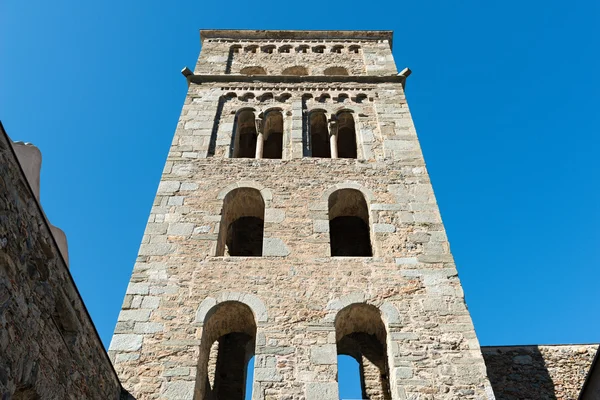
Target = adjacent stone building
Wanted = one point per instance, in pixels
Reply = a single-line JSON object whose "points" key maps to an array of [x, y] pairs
{"points": [[49, 348]]}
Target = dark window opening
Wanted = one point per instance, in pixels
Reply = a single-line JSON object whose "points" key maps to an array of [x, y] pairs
{"points": [[242, 224], [245, 135], [273, 147], [245, 237], [349, 237], [319, 135], [346, 136], [349, 232], [273, 131]]}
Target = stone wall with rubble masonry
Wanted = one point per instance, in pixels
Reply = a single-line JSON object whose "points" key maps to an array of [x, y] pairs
{"points": [[48, 346], [223, 56], [296, 289], [538, 372]]}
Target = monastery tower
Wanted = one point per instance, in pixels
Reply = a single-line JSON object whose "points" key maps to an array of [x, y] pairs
{"points": [[294, 222]]}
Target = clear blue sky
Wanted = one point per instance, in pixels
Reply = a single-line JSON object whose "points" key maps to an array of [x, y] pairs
{"points": [[504, 96]]}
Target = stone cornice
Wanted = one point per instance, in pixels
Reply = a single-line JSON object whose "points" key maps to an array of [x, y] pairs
{"points": [[199, 79], [304, 35]]}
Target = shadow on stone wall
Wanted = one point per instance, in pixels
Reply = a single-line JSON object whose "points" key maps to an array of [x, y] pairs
{"points": [[538, 372], [518, 373]]}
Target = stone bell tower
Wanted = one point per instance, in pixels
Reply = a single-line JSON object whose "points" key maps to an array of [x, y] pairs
{"points": [[294, 222]]}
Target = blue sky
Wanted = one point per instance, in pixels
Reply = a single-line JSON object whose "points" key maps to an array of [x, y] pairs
{"points": [[503, 94]]}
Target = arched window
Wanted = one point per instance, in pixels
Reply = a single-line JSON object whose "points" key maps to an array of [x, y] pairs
{"points": [[318, 49], [361, 334], [303, 48], [354, 49], [296, 70], [226, 347], [254, 70], [242, 224], [335, 71], [349, 233], [346, 135], [251, 49], [269, 49], [285, 48], [319, 135], [235, 48], [245, 135], [337, 49], [273, 133]]}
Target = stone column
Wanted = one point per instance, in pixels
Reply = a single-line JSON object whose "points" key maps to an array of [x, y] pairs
{"points": [[260, 139], [333, 138]]}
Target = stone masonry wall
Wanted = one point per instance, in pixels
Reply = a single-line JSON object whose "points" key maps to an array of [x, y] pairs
{"points": [[220, 57], [48, 346], [538, 372], [296, 288]]}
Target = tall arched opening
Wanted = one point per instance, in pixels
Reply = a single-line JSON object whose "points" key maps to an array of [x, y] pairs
{"points": [[319, 135], [273, 133], [346, 135], [245, 135], [226, 347], [361, 334]]}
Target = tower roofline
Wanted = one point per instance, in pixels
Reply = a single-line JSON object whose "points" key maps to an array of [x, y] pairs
{"points": [[294, 34]]}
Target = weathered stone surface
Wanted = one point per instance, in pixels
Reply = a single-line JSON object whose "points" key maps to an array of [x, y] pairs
{"points": [[322, 391], [178, 390], [538, 372], [126, 342], [49, 348], [287, 300]]}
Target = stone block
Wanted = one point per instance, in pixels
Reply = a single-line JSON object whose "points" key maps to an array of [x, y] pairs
{"points": [[267, 375], [406, 261], [134, 315], [155, 249], [177, 371], [320, 226], [404, 373], [126, 342], [274, 247], [175, 200], [188, 186], [322, 391], [178, 390], [326, 354], [138, 288], [148, 327], [180, 229], [384, 228], [274, 215], [166, 187]]}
